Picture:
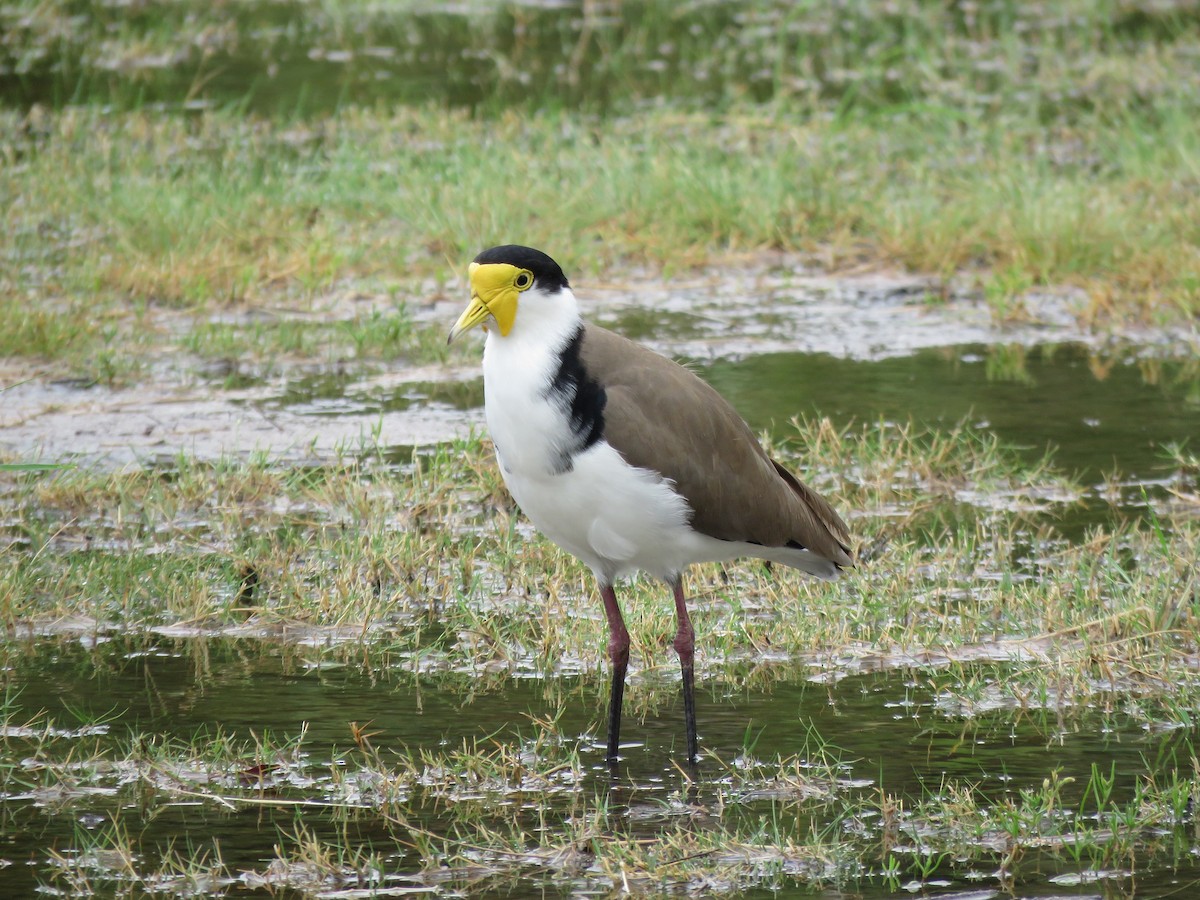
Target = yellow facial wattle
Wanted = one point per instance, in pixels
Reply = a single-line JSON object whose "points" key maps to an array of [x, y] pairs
{"points": [[494, 291]]}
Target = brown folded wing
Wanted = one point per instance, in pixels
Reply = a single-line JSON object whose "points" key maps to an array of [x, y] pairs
{"points": [[662, 417]]}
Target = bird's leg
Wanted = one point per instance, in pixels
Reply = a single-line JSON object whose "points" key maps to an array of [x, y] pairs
{"points": [[618, 655], [685, 643]]}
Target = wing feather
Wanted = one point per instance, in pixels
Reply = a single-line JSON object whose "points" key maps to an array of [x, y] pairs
{"points": [[662, 417]]}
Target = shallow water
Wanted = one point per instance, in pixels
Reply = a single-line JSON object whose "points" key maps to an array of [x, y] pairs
{"points": [[298, 57], [886, 729], [1097, 412], [1103, 412]]}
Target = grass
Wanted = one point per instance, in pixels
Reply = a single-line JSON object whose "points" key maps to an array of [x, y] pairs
{"points": [[1018, 147], [1055, 61], [211, 183], [440, 554], [423, 580], [668, 188], [523, 811], [390, 335]]}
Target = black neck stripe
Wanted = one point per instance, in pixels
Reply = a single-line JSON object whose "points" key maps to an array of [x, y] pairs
{"points": [[583, 396]]}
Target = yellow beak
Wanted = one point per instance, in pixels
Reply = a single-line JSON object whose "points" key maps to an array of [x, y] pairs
{"points": [[493, 295]]}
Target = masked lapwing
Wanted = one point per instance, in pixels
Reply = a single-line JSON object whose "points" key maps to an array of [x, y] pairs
{"points": [[627, 459]]}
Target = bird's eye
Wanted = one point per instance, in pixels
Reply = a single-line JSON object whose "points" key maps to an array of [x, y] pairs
{"points": [[523, 280]]}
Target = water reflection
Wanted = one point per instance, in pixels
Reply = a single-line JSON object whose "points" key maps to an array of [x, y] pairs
{"points": [[1099, 413], [887, 730]]}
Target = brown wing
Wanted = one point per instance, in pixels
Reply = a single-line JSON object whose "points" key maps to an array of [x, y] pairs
{"points": [[660, 416]]}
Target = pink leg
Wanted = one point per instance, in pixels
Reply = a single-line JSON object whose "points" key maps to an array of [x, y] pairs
{"points": [[685, 644], [618, 655]]}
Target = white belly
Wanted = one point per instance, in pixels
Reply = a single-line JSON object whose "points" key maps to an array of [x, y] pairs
{"points": [[615, 518]]}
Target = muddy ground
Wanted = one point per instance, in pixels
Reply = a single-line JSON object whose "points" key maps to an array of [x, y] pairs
{"points": [[184, 404]]}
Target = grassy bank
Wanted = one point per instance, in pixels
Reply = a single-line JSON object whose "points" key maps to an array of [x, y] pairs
{"points": [[108, 215], [300, 58], [1013, 147]]}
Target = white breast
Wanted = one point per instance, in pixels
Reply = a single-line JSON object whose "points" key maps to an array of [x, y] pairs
{"points": [[614, 517]]}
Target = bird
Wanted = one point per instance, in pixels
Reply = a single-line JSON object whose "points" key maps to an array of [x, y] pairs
{"points": [[628, 460]]}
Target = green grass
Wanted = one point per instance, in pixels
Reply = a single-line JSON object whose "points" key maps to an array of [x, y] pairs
{"points": [[1022, 147], [352, 550], [389, 335], [425, 575], [797, 821], [415, 194], [1005, 148], [1054, 61]]}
